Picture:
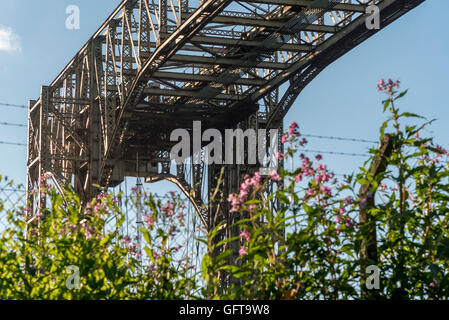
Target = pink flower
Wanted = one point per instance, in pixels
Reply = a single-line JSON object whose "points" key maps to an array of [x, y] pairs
{"points": [[326, 190], [337, 220], [382, 85], [279, 156], [245, 234], [235, 202], [243, 251], [362, 203], [284, 139], [89, 232], [275, 176], [347, 201], [149, 220], [348, 222], [243, 192], [319, 157], [126, 240], [341, 211], [168, 209], [257, 178], [298, 177], [293, 129], [432, 284]]}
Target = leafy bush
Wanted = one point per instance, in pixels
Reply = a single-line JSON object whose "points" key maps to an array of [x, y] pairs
{"points": [[40, 263], [321, 255], [318, 244]]}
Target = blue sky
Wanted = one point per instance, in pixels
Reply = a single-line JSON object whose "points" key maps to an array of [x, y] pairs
{"points": [[341, 101]]}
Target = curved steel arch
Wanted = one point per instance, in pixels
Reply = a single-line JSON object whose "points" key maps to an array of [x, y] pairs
{"points": [[198, 204]]}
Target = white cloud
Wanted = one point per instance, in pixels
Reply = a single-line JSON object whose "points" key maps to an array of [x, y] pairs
{"points": [[9, 41]]}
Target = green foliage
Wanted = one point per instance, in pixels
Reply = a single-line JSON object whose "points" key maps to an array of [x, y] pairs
{"points": [[36, 262], [320, 255], [302, 241]]}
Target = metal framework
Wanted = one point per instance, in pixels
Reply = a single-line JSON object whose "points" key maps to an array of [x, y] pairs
{"points": [[156, 65]]}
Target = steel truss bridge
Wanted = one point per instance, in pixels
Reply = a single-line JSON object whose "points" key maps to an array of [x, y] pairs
{"points": [[157, 65]]}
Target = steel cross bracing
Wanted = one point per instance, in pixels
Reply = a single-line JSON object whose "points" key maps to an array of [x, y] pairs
{"points": [[157, 65]]}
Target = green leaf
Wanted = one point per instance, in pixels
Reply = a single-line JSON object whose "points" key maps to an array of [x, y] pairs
{"points": [[411, 115], [399, 96], [382, 129], [386, 104], [150, 254]]}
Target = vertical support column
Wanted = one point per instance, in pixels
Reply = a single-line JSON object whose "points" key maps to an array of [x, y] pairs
{"points": [[144, 33], [126, 55], [94, 120], [163, 21], [44, 156], [184, 8], [232, 176], [180, 171], [31, 155], [219, 211], [110, 81], [197, 175]]}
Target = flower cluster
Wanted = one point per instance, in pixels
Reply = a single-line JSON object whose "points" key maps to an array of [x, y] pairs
{"points": [[291, 134], [387, 86], [293, 129], [246, 236], [168, 209], [341, 220], [236, 200]]}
